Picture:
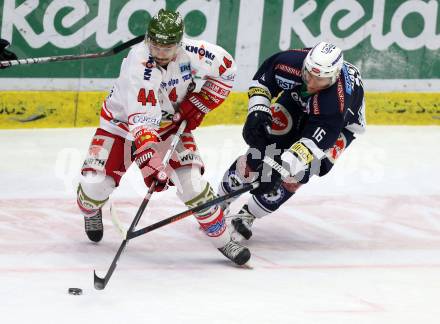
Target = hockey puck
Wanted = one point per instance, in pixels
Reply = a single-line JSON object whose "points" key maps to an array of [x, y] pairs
{"points": [[75, 291]]}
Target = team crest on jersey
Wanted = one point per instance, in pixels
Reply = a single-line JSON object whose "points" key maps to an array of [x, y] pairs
{"points": [[281, 120]]}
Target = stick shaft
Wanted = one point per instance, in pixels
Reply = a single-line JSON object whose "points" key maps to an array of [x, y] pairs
{"points": [[101, 283], [177, 217], [37, 60]]}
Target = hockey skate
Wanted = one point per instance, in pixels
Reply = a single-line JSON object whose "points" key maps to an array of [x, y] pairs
{"points": [[242, 222], [93, 226], [236, 252]]}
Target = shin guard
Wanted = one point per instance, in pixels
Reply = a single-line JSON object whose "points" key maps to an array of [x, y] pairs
{"points": [[211, 220], [262, 205]]}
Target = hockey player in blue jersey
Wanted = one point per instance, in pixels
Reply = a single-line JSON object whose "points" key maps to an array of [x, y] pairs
{"points": [[305, 108]]}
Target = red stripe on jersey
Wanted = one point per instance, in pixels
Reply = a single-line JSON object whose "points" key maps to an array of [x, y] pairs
{"points": [[221, 69], [109, 119], [108, 112], [105, 116], [340, 92], [228, 63], [121, 125]]}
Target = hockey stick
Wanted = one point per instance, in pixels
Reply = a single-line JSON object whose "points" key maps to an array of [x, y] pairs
{"points": [[117, 222], [36, 60], [99, 282], [128, 235]]}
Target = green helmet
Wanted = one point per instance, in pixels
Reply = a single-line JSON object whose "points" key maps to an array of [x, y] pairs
{"points": [[166, 27]]}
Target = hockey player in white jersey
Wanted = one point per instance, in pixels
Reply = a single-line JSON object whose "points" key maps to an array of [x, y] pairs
{"points": [[156, 82]]}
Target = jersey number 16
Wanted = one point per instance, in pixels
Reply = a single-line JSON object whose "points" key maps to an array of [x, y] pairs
{"points": [[319, 134]]}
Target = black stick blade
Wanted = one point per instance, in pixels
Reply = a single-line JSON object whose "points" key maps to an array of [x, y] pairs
{"points": [[98, 282]]}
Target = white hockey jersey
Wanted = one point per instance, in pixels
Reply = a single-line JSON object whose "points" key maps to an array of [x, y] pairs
{"points": [[147, 96]]}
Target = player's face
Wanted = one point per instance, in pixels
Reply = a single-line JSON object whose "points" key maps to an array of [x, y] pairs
{"points": [[315, 83], [162, 54]]}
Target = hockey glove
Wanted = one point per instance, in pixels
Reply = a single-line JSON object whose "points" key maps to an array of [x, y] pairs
{"points": [[292, 167], [269, 178], [6, 55], [193, 109], [149, 161], [256, 130]]}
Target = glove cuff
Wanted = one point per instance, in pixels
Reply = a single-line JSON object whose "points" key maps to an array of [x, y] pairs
{"points": [[202, 101], [277, 167], [262, 108]]}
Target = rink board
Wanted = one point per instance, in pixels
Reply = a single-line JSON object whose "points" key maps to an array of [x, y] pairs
{"points": [[52, 109]]}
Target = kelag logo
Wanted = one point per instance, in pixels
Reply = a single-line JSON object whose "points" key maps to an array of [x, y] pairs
{"points": [[399, 32]]}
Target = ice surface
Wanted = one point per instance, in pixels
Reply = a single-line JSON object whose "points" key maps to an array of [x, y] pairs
{"points": [[361, 245]]}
